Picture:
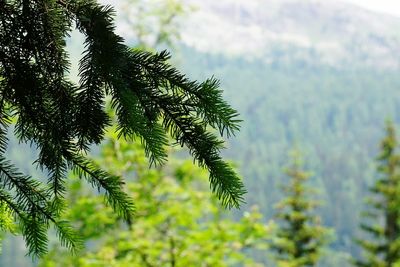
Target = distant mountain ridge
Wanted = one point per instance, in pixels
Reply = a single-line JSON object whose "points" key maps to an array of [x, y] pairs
{"points": [[315, 31]]}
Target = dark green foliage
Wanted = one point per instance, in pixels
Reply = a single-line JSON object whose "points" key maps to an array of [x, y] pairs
{"points": [[62, 119], [300, 237], [382, 218]]}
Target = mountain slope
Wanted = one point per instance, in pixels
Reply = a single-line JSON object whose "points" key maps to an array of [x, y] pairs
{"points": [[328, 32]]}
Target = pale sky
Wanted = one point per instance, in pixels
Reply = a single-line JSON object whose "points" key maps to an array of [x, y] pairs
{"points": [[385, 6]]}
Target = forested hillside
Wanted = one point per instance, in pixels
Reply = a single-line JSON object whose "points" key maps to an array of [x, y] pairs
{"points": [[295, 95], [334, 115]]}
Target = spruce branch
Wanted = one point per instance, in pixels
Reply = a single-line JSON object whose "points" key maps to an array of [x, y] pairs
{"points": [[113, 185], [63, 120], [33, 208]]}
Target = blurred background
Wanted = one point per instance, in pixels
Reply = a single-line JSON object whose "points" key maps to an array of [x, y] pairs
{"points": [[317, 76]]}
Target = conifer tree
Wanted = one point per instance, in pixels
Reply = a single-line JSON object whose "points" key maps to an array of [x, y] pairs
{"points": [[382, 248], [300, 235], [63, 120]]}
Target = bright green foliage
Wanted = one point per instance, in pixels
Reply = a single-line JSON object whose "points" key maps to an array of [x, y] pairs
{"points": [[6, 221], [151, 99], [155, 22], [300, 236], [382, 218], [177, 221]]}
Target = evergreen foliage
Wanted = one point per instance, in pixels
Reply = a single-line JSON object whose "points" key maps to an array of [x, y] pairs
{"points": [[382, 218], [63, 119], [300, 235]]}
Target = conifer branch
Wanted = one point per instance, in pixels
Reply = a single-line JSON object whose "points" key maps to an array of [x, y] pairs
{"points": [[112, 185], [62, 120]]}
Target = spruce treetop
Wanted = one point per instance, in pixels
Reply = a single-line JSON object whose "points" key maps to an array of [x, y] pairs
{"points": [[300, 236], [62, 119], [382, 218]]}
